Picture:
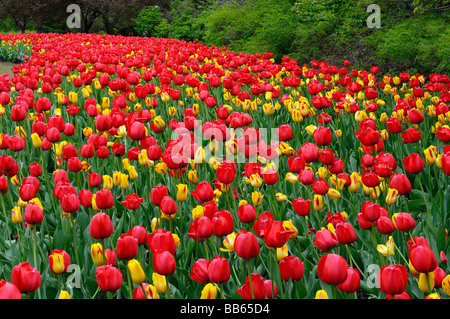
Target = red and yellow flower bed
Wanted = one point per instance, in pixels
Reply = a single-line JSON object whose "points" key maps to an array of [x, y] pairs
{"points": [[158, 168]]}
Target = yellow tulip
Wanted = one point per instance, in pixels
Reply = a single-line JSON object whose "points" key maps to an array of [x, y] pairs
{"points": [[209, 291], [136, 271]]}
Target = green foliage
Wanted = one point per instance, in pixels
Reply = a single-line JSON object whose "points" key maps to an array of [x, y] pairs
{"points": [[406, 45], [253, 26], [148, 21]]}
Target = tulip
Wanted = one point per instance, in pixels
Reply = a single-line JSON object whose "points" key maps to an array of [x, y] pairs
{"points": [[163, 263], [199, 271], [126, 247], [253, 287], [413, 163], [157, 194], [161, 239], [403, 221], [401, 183], [109, 278], [26, 278], [345, 233], [150, 292], [218, 270], [422, 258], [136, 271], [247, 213], [352, 282], [59, 261], [332, 269], [104, 199], [168, 205], [393, 279], [9, 291], [291, 267], [33, 214], [325, 240], [203, 192], [209, 291], [222, 223], [132, 201], [246, 245], [276, 235], [182, 192], [100, 226]]}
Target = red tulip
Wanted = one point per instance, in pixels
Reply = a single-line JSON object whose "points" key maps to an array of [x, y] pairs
{"points": [[203, 192], [301, 206], [320, 186], [276, 235], [226, 172], [370, 211], [222, 223], [345, 233], [385, 225], [100, 226], [393, 279], [199, 271], [218, 270], [157, 194], [310, 152], [322, 136], [9, 291], [26, 278], [352, 282], [415, 116], [126, 247], [394, 126], [247, 213], [411, 135], [132, 201], [306, 177], [94, 179], [422, 258], [70, 203], [325, 240], [33, 214], [161, 239], [296, 164], [246, 245], [401, 183], [163, 263], [404, 221], [332, 269], [291, 267], [168, 205], [260, 226], [284, 132], [109, 278], [413, 163], [259, 289], [35, 169], [104, 199], [370, 179], [326, 156]]}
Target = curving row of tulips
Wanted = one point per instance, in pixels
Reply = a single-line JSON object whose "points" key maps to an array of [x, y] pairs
{"points": [[148, 168]]}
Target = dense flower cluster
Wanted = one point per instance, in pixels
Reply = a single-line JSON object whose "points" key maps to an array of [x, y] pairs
{"points": [[171, 169]]}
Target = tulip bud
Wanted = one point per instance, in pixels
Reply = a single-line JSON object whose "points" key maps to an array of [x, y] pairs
{"points": [[209, 291], [136, 271]]}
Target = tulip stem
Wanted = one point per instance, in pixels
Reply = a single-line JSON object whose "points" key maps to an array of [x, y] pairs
{"points": [[167, 288], [130, 288], [6, 218], [429, 218], [34, 256], [75, 240], [103, 251], [250, 278]]}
